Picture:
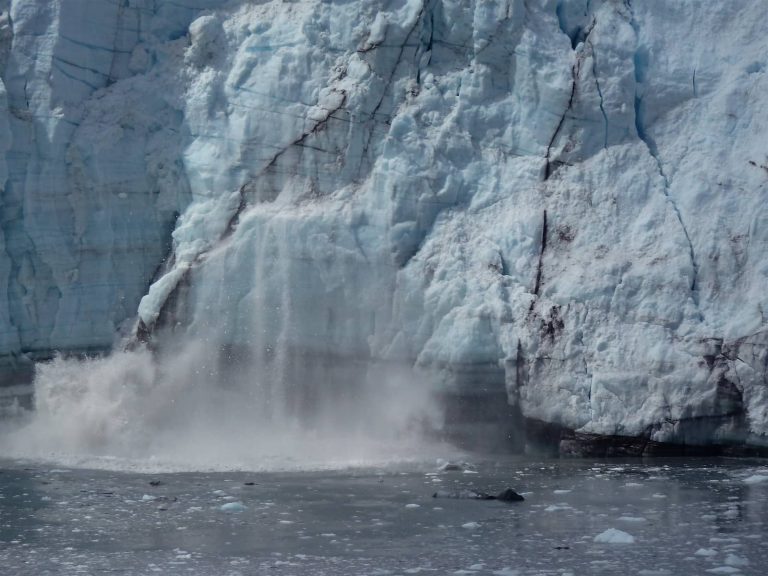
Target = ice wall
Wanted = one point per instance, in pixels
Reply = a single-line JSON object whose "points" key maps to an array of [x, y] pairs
{"points": [[559, 201], [93, 176]]}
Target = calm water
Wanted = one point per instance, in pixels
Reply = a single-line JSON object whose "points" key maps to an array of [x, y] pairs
{"points": [[686, 517]]}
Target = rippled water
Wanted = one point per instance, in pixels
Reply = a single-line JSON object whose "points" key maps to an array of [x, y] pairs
{"points": [[685, 517]]}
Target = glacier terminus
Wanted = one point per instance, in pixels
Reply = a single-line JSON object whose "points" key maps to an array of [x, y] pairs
{"points": [[555, 209]]}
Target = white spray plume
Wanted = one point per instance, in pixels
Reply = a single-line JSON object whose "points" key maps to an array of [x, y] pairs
{"points": [[174, 411]]}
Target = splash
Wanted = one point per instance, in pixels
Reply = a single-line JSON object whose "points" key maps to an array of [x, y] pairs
{"points": [[183, 410]]}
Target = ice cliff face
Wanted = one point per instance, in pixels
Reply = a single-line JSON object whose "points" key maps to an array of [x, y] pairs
{"points": [[562, 200]]}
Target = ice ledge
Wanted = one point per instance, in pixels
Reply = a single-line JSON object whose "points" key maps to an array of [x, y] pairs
{"points": [[544, 437]]}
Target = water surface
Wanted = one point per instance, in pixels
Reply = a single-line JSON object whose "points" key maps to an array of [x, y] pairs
{"points": [[685, 516]]}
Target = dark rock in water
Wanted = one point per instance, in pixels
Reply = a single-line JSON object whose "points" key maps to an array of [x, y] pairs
{"points": [[509, 495], [249, 483], [155, 483], [166, 499]]}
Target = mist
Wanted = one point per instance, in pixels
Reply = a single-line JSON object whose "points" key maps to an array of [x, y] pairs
{"points": [[192, 406]]}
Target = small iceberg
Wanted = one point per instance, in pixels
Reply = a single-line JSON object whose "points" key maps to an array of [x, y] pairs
{"points": [[755, 479], [613, 536], [233, 507]]}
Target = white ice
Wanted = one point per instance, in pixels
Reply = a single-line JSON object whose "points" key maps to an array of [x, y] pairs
{"points": [[369, 181], [614, 536]]}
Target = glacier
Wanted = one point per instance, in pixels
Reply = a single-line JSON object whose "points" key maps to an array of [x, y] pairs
{"points": [[555, 205]]}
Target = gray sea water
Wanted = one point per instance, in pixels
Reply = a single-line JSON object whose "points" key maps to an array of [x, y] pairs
{"points": [[665, 517]]}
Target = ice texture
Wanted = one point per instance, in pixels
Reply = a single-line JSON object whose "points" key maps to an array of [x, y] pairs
{"points": [[614, 536], [755, 479], [233, 507], [565, 200]]}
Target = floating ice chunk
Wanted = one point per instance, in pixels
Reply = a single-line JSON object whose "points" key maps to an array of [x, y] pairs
{"points": [[728, 540], [755, 479], [556, 507], [471, 525], [636, 519], [147, 498], [562, 491], [724, 570], [447, 466], [506, 571], [233, 507], [413, 506], [734, 560], [614, 536], [732, 512], [706, 552], [633, 485]]}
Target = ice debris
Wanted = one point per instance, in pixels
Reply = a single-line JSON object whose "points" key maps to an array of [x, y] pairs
{"points": [[614, 536], [233, 507]]}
